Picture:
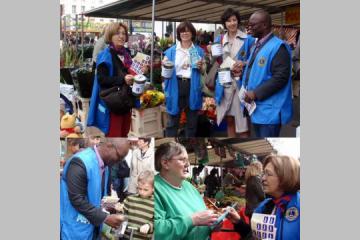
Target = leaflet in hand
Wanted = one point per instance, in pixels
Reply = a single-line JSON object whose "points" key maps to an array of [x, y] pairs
{"points": [[139, 61], [250, 107], [222, 216]]}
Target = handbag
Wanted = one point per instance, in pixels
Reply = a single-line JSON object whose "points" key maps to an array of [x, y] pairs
{"points": [[211, 76], [118, 99]]}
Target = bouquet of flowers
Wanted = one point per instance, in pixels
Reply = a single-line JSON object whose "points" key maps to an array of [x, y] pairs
{"points": [[151, 98]]}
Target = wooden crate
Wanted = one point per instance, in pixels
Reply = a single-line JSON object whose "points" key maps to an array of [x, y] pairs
{"points": [[146, 123], [164, 117]]}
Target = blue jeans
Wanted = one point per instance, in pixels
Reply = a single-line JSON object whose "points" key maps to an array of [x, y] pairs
{"points": [[267, 130], [190, 127]]}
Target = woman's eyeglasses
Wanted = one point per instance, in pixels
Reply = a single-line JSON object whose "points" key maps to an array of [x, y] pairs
{"points": [[181, 159], [267, 174]]}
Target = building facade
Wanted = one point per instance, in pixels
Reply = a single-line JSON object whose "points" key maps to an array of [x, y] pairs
{"points": [[73, 8]]}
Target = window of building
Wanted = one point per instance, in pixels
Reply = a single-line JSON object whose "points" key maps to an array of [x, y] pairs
{"points": [[111, 20], [82, 8], [101, 20], [73, 9]]}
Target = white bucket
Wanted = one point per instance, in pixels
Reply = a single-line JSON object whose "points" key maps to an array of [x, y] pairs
{"points": [[139, 84], [167, 69], [224, 75], [216, 50]]}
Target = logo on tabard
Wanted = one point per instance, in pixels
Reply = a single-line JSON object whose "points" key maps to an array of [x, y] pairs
{"points": [[262, 61], [292, 214], [242, 53]]}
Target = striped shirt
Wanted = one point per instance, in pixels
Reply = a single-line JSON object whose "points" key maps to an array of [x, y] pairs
{"points": [[140, 211]]}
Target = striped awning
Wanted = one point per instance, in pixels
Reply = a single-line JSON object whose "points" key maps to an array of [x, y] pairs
{"points": [[260, 147]]}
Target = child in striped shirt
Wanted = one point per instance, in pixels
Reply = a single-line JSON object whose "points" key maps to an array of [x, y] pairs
{"points": [[140, 208]]}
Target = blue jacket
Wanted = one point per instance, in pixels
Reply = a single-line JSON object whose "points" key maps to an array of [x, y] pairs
{"points": [[99, 114], [242, 55], [277, 109], [74, 225], [171, 86], [287, 224]]}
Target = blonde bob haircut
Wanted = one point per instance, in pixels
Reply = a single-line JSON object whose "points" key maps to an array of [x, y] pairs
{"points": [[167, 151], [146, 176], [254, 169], [288, 171], [112, 29]]}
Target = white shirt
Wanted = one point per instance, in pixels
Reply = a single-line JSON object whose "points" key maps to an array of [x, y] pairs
{"points": [[182, 61]]}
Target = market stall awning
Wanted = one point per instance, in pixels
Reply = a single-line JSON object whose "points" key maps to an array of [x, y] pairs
{"points": [[201, 11], [260, 147]]}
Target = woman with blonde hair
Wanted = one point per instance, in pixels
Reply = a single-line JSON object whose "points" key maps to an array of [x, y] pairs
{"points": [[113, 73], [254, 189]]}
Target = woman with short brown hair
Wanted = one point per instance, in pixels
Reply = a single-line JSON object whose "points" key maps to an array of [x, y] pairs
{"points": [[277, 217], [183, 89]]}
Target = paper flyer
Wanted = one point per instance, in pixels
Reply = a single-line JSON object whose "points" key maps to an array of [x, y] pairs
{"points": [[249, 106], [139, 61]]}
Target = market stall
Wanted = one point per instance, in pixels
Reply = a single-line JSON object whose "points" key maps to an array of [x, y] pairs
{"points": [[75, 69], [229, 157]]}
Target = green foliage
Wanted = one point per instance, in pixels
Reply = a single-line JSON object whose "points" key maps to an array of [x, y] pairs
{"points": [[165, 43], [71, 56]]}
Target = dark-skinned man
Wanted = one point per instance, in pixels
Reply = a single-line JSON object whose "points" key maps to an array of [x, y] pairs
{"points": [[267, 78], [83, 184]]}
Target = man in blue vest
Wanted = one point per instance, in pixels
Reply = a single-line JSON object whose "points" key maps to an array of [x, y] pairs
{"points": [[83, 184], [267, 78]]}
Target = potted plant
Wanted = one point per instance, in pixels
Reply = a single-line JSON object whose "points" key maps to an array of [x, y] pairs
{"points": [[69, 60], [75, 71]]}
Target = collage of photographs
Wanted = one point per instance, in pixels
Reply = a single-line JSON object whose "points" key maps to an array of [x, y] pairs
{"points": [[176, 125]]}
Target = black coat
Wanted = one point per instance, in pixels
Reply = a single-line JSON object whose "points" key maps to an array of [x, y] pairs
{"points": [[254, 194]]}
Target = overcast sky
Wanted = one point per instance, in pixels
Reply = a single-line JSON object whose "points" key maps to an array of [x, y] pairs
{"points": [[286, 146]]}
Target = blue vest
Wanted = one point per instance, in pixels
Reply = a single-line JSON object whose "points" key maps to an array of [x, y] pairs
{"points": [[171, 86], [242, 55], [277, 109], [74, 225], [99, 114], [287, 224]]}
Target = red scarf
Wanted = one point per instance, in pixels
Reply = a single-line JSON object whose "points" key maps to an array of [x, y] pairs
{"points": [[282, 202]]}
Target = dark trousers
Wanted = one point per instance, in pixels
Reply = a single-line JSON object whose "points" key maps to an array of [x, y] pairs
{"points": [[267, 130], [190, 126]]}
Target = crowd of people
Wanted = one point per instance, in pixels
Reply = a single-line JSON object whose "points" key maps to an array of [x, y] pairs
{"points": [[158, 201], [259, 96], [272, 198]]}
